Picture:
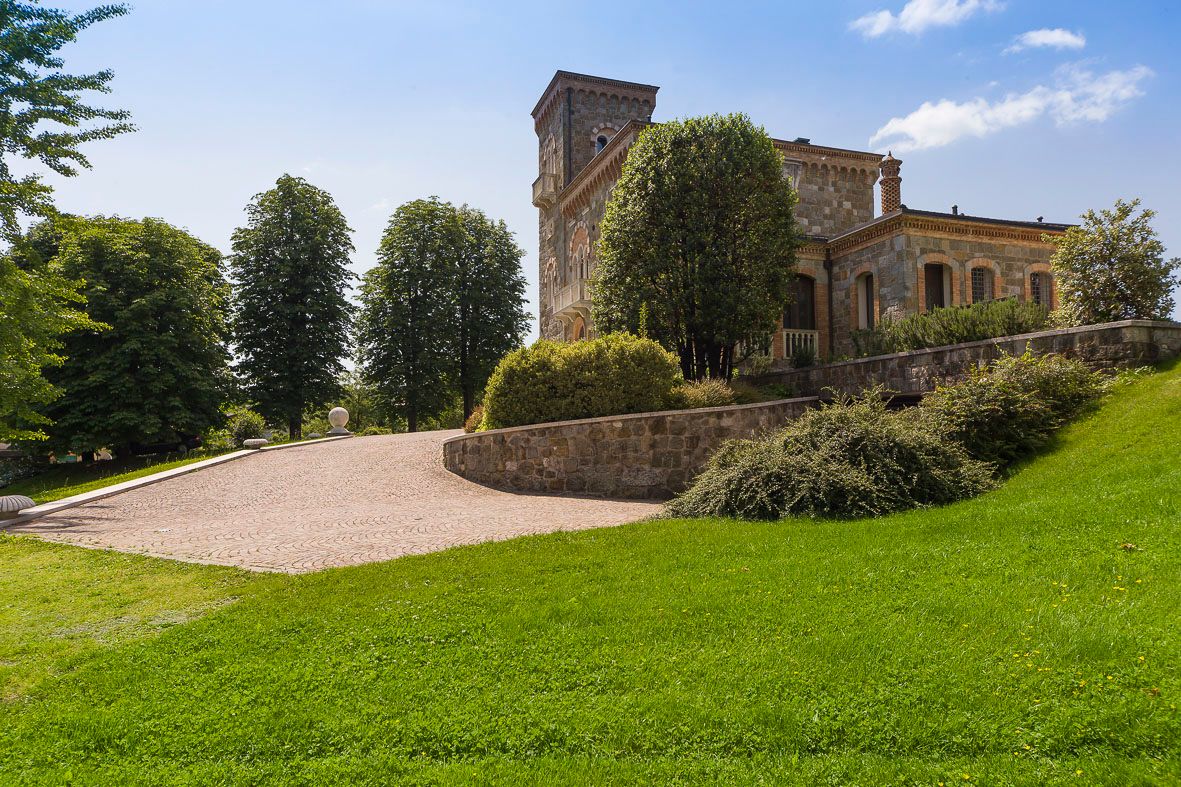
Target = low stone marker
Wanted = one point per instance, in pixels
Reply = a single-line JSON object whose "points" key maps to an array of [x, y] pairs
{"points": [[12, 505], [257, 442]]}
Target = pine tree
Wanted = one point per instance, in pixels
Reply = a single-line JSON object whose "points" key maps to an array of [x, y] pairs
{"points": [[490, 319], [408, 312], [291, 315]]}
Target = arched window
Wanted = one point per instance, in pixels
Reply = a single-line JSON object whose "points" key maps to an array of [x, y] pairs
{"points": [[865, 302], [982, 285], [801, 312], [936, 285], [601, 142], [1041, 288]]}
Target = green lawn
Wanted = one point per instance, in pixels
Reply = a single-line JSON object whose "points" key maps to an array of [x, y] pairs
{"points": [[66, 480], [1010, 639]]}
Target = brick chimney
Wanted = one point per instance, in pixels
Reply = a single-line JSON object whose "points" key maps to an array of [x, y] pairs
{"points": [[891, 184]]}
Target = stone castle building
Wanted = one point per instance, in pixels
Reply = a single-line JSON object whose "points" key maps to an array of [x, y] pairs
{"points": [[854, 267]]}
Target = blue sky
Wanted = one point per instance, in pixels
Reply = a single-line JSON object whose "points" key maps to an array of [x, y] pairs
{"points": [[1013, 109]]}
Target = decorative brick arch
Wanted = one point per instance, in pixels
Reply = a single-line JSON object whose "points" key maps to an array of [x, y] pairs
{"points": [[957, 274], [1045, 269], [981, 262], [855, 294], [578, 330]]}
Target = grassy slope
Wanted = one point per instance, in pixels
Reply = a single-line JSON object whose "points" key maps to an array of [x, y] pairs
{"points": [[1008, 639], [67, 480]]}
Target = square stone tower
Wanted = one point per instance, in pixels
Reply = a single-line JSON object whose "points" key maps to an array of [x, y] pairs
{"points": [[575, 118]]}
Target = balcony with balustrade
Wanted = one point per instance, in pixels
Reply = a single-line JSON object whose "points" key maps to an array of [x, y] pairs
{"points": [[796, 340]]}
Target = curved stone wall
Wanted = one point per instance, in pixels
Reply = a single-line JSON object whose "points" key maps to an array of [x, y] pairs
{"points": [[645, 455]]}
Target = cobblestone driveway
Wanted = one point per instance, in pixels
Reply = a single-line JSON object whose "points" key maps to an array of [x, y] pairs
{"points": [[335, 504]]}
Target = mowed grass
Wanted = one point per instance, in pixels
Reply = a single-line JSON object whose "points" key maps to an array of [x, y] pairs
{"points": [[66, 480], [1030, 636]]}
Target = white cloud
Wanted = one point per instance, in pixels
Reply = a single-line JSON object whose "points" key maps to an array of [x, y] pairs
{"points": [[1054, 38], [918, 15], [1078, 95]]}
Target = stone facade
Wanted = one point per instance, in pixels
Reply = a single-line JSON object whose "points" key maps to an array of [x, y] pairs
{"points": [[641, 456], [1115, 345], [860, 268]]}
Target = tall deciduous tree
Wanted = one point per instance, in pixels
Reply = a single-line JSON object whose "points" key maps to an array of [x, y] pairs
{"points": [[1113, 267], [490, 317], [408, 311], [291, 315], [42, 118], [37, 307], [36, 93], [700, 229], [161, 371]]}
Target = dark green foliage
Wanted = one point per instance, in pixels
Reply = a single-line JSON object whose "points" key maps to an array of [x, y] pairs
{"points": [[698, 242], [489, 293], [407, 310], [1113, 267], [291, 314], [444, 304], [160, 371], [847, 459], [1010, 409], [803, 357], [245, 425], [556, 381], [952, 325], [34, 91]]}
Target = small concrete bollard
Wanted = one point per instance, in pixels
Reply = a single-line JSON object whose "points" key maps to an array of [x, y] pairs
{"points": [[255, 443]]}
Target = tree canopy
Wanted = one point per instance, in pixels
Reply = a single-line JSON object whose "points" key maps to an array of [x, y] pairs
{"points": [[490, 316], [699, 235], [407, 311], [1113, 267], [160, 372], [291, 316], [444, 304], [34, 92]]}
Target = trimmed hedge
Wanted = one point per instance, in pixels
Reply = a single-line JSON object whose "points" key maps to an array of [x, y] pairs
{"points": [[952, 325], [555, 381]]}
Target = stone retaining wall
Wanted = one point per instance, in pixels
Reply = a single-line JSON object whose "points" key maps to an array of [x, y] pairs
{"points": [[645, 455], [1111, 345]]}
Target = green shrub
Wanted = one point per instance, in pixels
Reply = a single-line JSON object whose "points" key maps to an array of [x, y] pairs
{"points": [[555, 381], [953, 325], [702, 393], [472, 424], [803, 357], [756, 365], [369, 431], [1009, 409], [847, 459], [245, 425]]}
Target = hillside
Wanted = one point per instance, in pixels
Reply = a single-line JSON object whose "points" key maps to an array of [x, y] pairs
{"points": [[1027, 636]]}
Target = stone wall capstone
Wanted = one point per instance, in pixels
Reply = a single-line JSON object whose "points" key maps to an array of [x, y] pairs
{"points": [[1113, 345], [639, 456]]}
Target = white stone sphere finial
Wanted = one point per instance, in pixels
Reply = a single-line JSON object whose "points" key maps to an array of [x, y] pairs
{"points": [[338, 417]]}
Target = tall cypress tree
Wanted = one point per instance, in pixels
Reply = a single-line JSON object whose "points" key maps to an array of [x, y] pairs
{"points": [[291, 316], [490, 316], [408, 311]]}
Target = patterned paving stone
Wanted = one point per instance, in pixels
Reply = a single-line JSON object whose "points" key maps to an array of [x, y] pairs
{"points": [[336, 504]]}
